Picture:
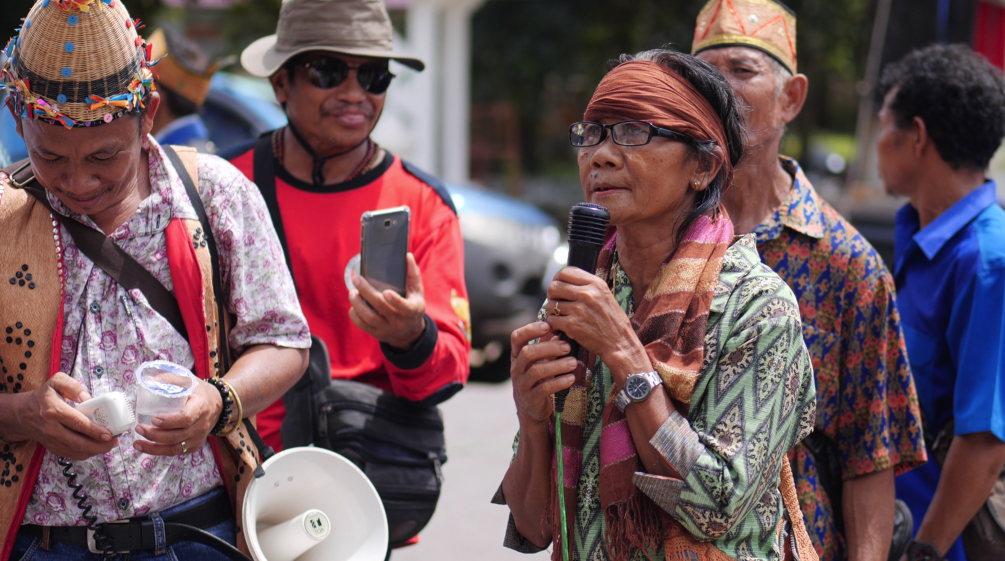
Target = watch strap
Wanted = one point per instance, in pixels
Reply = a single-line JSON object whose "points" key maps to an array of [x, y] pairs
{"points": [[922, 551], [622, 399]]}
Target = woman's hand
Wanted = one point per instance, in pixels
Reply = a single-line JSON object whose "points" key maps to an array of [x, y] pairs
{"points": [[583, 307], [538, 372], [191, 425], [44, 416]]}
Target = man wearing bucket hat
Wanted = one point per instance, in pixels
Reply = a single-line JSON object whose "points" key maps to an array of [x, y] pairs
{"points": [[118, 251], [868, 423], [183, 79], [328, 64]]}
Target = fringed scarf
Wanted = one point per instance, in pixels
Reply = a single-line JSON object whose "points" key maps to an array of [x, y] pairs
{"points": [[670, 322]]}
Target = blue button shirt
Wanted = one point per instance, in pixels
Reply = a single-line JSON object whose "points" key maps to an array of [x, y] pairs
{"points": [[950, 280]]}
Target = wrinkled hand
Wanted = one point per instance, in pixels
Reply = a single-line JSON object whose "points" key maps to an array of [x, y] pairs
{"points": [[47, 419], [192, 424], [387, 316], [589, 314], [538, 372]]}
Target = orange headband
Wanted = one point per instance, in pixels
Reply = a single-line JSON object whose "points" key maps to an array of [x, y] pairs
{"points": [[648, 91]]}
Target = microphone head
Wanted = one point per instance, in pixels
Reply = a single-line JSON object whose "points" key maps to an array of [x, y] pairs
{"points": [[588, 223]]}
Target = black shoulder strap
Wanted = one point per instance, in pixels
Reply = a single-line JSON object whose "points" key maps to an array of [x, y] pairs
{"points": [[265, 177], [214, 255], [104, 253]]}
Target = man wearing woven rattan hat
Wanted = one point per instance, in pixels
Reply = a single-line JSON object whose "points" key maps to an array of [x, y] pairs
{"points": [[868, 422], [183, 79], [328, 64], [187, 255]]}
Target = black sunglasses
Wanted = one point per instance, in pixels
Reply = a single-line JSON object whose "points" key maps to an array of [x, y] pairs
{"points": [[626, 133], [330, 72]]}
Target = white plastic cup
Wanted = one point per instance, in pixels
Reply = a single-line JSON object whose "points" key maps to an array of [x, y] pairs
{"points": [[164, 388]]}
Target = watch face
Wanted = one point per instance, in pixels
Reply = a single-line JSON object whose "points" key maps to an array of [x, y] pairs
{"points": [[637, 387]]}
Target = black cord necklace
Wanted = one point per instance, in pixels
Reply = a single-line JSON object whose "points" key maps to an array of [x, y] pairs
{"points": [[318, 174]]}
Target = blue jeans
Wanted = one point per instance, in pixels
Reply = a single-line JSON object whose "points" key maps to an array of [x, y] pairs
{"points": [[26, 548]]}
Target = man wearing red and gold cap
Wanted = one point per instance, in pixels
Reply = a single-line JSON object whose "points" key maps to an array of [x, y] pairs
{"points": [[183, 78], [868, 425]]}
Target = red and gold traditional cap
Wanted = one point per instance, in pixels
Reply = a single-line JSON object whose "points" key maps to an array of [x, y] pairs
{"points": [[765, 25], [183, 68]]}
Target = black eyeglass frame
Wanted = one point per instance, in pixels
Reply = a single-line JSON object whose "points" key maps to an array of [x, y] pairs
{"points": [[383, 76], [653, 131]]}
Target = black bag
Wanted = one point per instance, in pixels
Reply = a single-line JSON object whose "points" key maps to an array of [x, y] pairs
{"points": [[984, 536], [397, 443]]}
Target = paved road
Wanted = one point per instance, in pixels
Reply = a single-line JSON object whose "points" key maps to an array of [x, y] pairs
{"points": [[481, 422]]}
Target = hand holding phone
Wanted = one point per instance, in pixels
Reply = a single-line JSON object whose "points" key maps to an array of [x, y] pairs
{"points": [[388, 302]]}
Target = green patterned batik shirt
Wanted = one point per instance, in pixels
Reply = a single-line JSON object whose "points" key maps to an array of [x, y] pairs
{"points": [[753, 400]]}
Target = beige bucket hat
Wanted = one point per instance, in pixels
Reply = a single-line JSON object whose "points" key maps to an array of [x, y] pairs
{"points": [[350, 27]]}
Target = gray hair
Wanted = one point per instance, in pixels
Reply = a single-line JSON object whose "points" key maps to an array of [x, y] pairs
{"points": [[781, 74]]}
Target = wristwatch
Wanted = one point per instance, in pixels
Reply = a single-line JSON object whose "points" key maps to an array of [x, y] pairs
{"points": [[637, 388], [922, 551]]}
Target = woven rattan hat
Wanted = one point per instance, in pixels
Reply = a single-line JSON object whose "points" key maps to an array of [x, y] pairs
{"points": [[350, 27], [77, 63]]}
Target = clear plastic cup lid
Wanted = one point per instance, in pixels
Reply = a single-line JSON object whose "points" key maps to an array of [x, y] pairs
{"points": [[166, 378]]}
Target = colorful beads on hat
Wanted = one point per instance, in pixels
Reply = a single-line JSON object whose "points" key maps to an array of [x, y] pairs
{"points": [[68, 47], [66, 72], [72, 20], [61, 99], [108, 117], [27, 23], [45, 3]]}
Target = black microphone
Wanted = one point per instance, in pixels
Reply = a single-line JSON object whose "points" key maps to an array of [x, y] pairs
{"points": [[587, 226]]}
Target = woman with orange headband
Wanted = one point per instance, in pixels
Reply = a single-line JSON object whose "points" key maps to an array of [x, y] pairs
{"points": [[693, 380]]}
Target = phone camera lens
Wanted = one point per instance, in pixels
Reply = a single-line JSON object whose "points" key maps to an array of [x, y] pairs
{"points": [[387, 223]]}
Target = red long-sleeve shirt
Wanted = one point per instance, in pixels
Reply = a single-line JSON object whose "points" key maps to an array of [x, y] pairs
{"points": [[322, 226]]}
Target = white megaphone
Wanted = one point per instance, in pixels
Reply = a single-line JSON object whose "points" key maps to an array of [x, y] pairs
{"points": [[314, 505]]}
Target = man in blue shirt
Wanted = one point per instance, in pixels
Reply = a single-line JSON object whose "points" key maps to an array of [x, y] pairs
{"points": [[943, 118]]}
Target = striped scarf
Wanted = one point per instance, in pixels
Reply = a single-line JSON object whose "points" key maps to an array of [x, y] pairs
{"points": [[670, 322]]}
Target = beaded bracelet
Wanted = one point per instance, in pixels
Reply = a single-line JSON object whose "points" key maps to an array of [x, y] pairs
{"points": [[240, 411], [225, 414]]}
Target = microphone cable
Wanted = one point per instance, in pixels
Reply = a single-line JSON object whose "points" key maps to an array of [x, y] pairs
{"points": [[587, 229]]}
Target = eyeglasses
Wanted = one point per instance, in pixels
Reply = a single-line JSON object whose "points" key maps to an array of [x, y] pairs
{"points": [[626, 133], [329, 72]]}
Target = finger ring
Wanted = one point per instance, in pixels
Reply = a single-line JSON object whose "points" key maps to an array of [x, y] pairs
{"points": [[184, 447], [557, 311]]}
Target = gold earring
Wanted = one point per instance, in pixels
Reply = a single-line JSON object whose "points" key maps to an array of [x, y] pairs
{"points": [[697, 186]]}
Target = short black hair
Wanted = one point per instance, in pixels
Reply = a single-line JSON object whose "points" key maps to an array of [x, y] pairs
{"points": [[958, 94], [178, 105], [714, 87]]}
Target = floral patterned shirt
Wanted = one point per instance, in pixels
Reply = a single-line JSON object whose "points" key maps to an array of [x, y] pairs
{"points": [[109, 331], [867, 405]]}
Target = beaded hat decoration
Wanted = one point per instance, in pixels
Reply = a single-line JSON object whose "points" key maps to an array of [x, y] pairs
{"points": [[766, 25], [77, 63]]}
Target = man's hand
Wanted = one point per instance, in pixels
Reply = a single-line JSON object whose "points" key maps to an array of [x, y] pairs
{"points": [[191, 425], [44, 416], [387, 316], [968, 474]]}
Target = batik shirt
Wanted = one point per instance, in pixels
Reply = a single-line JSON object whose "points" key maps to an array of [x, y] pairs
{"points": [[753, 400], [866, 400], [109, 332]]}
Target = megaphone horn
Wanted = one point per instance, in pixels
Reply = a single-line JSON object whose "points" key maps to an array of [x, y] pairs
{"points": [[313, 505]]}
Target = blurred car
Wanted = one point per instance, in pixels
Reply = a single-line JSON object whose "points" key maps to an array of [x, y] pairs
{"points": [[508, 243]]}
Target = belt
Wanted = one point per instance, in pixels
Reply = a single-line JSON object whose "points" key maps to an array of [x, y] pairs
{"points": [[140, 534]]}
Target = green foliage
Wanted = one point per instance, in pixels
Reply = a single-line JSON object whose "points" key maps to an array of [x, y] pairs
{"points": [[251, 20], [546, 56]]}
